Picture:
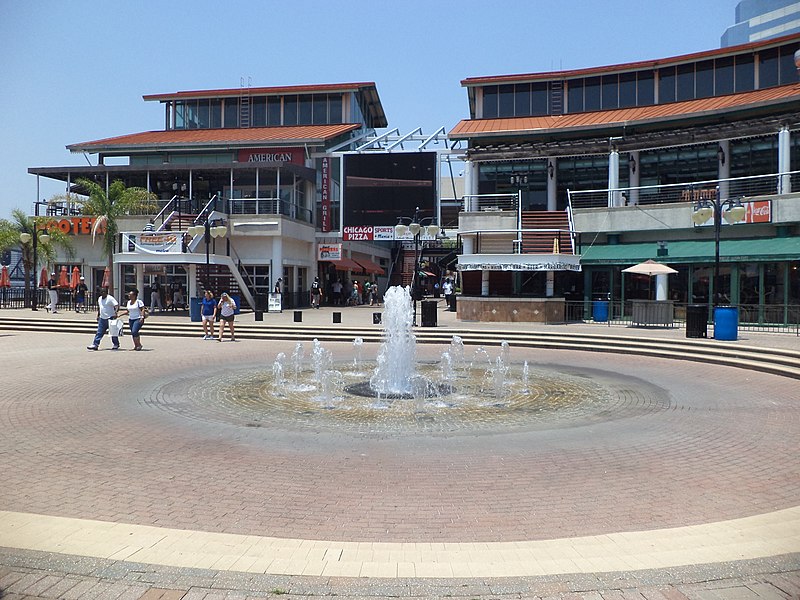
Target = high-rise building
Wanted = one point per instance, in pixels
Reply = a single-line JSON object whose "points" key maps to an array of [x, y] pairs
{"points": [[762, 19]]}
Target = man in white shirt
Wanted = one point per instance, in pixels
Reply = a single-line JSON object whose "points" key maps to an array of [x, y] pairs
{"points": [[447, 288], [106, 309]]}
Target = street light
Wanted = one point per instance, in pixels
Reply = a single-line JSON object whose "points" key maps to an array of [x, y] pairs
{"points": [[415, 226], [729, 209], [208, 230], [25, 238]]}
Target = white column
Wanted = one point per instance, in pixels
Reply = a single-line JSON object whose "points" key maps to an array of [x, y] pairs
{"points": [[661, 287], [552, 184], [470, 183], [784, 160], [634, 174], [484, 282], [139, 279], [468, 244], [613, 178], [550, 285], [724, 167], [277, 260]]}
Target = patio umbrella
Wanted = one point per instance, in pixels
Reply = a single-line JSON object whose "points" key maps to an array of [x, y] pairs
{"points": [[5, 280], [650, 268], [76, 278], [106, 278], [63, 277], [43, 278]]}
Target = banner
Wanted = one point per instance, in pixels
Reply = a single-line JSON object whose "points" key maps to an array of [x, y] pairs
{"points": [[380, 233], [325, 208], [153, 243], [329, 252]]}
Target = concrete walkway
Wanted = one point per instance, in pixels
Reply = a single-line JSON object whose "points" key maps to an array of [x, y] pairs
{"points": [[108, 495]]}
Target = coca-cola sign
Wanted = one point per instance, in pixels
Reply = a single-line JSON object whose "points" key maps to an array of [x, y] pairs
{"points": [[758, 212]]}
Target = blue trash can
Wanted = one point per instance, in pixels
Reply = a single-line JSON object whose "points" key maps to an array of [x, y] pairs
{"points": [[600, 311], [195, 306], [726, 323]]}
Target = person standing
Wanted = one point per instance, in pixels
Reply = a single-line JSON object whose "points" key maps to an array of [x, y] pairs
{"points": [[227, 310], [208, 312], [155, 296], [137, 312], [447, 288], [316, 293], [337, 292], [80, 295], [106, 309], [52, 289], [278, 283]]}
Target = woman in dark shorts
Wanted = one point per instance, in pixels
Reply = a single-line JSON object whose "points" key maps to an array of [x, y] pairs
{"points": [[225, 310]]}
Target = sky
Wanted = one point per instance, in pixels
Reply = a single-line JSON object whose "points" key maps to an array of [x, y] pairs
{"points": [[74, 71]]}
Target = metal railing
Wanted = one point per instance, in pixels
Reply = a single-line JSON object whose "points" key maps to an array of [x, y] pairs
{"points": [[490, 202], [489, 241], [267, 206]]}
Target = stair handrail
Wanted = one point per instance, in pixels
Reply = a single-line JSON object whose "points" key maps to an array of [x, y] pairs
{"points": [[206, 211], [249, 283], [571, 226], [163, 210]]}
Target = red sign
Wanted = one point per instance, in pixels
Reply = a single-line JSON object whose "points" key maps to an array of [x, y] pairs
{"points": [[758, 212], [261, 155], [325, 209], [357, 232]]}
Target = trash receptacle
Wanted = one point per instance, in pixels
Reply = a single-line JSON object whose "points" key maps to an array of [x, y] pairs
{"points": [[453, 303], [195, 309], [726, 323], [429, 313], [600, 311], [260, 306], [697, 321]]}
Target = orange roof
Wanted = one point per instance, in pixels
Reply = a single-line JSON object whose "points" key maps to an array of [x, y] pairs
{"points": [[229, 137], [263, 91], [633, 66], [470, 128]]}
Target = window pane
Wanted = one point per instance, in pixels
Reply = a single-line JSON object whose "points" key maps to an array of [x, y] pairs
{"points": [[685, 82], [231, 112], [575, 96], [290, 110], [258, 108], [745, 73], [490, 102], [304, 109], [627, 90], [645, 88], [320, 107], [768, 68], [539, 99], [610, 91], [704, 79], [191, 114], [180, 123], [335, 108], [202, 114], [216, 114], [273, 110], [723, 76], [591, 96], [522, 99], [666, 85], [788, 71], [506, 105]]}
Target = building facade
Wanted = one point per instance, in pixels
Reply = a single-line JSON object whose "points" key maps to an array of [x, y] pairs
{"points": [[758, 20]]}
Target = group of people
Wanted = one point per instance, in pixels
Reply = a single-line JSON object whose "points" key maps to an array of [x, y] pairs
{"points": [[355, 294], [78, 294], [211, 310], [175, 300]]}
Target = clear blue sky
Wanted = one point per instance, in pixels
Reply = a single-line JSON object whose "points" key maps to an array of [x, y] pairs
{"points": [[73, 71]]}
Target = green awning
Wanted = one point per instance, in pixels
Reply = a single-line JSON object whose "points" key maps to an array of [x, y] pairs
{"points": [[695, 251]]}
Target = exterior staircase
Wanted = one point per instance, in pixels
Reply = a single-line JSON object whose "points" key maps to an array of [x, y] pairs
{"points": [[550, 226], [218, 279]]}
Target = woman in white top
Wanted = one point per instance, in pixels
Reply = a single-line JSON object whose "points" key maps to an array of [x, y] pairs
{"points": [[225, 310], [136, 311]]}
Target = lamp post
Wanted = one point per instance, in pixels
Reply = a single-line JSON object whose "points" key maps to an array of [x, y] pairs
{"points": [[415, 226], [25, 238], [732, 211], [209, 230]]}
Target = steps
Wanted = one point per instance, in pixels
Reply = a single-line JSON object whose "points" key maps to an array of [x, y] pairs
{"points": [[218, 279], [541, 242]]}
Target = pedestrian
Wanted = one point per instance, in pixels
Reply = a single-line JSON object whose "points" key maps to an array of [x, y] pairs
{"points": [[365, 291], [337, 292], [178, 301], [226, 309], [137, 313], [52, 289], [208, 312], [373, 294], [278, 285], [155, 296], [316, 293], [80, 295], [106, 309], [447, 288], [150, 227]]}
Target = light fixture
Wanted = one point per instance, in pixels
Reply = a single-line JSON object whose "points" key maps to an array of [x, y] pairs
{"points": [[550, 169], [702, 213], [24, 237], [632, 163], [734, 213], [400, 230], [432, 230], [44, 237], [414, 228], [195, 230], [721, 154], [219, 231]]}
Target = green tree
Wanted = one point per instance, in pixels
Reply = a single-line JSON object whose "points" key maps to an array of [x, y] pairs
{"points": [[108, 207], [20, 222]]}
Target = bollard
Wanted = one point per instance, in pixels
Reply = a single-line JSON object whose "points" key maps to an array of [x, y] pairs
{"points": [[298, 316], [259, 315], [337, 317], [376, 318]]}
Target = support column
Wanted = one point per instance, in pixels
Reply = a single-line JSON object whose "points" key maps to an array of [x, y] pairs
{"points": [[139, 279], [470, 183], [468, 244], [552, 184], [724, 167], [277, 261], [191, 292], [634, 175], [484, 282], [550, 285], [784, 160], [613, 178], [661, 286]]}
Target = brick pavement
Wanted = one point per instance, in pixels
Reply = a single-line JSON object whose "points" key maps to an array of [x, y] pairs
{"points": [[80, 442]]}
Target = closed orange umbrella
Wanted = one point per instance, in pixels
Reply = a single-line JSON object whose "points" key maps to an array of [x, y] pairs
{"points": [[63, 278], [76, 278], [5, 280], [43, 278], [106, 277]]}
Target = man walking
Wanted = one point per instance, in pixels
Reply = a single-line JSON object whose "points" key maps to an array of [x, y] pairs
{"points": [[106, 309], [447, 288], [316, 293], [155, 295], [52, 289]]}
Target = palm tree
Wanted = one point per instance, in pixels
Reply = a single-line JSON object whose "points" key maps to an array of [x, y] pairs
{"points": [[20, 223], [108, 207]]}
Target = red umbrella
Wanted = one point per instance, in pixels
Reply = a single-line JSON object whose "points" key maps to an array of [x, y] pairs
{"points": [[5, 280], [43, 278], [63, 277], [106, 278], [76, 278]]}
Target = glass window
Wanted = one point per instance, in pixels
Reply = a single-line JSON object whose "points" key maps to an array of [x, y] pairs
{"points": [[290, 110], [506, 104], [490, 102], [685, 82], [180, 123], [231, 112], [335, 108], [723, 76], [273, 110], [627, 90], [258, 107], [787, 68], [539, 99], [575, 96], [591, 96], [202, 114], [666, 85], [320, 109], [704, 79], [215, 120], [522, 99], [768, 68], [610, 92], [304, 109], [745, 73], [191, 114], [645, 88]]}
